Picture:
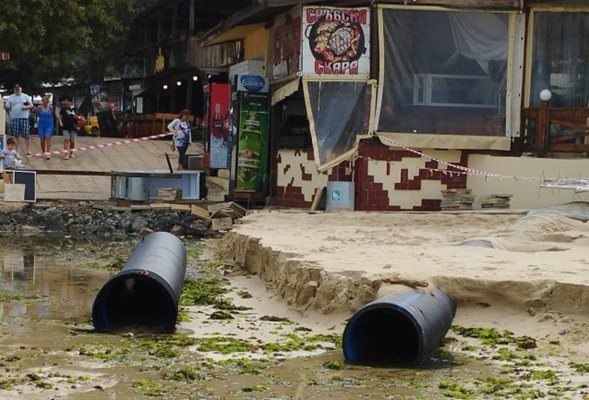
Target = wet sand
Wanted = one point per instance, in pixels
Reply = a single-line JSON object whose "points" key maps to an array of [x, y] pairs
{"points": [[50, 351]]}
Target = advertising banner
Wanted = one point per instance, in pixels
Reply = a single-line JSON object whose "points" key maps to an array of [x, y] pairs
{"points": [[100, 98], [2, 116], [219, 98], [286, 53], [2, 129], [336, 41], [254, 125], [1, 148]]}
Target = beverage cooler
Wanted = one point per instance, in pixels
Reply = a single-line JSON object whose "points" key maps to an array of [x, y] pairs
{"points": [[250, 127]]}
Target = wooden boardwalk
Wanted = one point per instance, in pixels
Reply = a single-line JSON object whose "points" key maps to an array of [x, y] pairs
{"points": [[148, 155]]}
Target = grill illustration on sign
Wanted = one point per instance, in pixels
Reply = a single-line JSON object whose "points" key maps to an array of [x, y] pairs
{"points": [[335, 42]]}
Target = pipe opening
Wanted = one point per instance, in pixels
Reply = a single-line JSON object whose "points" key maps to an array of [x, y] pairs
{"points": [[381, 335], [134, 301]]}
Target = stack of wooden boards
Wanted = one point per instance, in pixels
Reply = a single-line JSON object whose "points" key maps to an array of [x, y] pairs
{"points": [[169, 194], [496, 201], [457, 199], [220, 215]]}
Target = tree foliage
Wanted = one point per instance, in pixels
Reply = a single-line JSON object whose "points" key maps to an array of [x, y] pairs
{"points": [[49, 40]]}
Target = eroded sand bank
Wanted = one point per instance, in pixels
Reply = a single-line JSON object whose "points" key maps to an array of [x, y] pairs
{"points": [[335, 262]]}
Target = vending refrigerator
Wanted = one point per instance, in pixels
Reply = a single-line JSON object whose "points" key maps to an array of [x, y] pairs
{"points": [[250, 128]]}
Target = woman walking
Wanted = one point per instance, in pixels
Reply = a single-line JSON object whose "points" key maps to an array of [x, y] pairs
{"points": [[45, 126], [182, 138]]}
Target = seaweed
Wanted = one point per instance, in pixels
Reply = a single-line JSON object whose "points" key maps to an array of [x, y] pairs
{"points": [[255, 388], [19, 296], [185, 373], [494, 337], [225, 345], [454, 390], [150, 388], [202, 291], [334, 365], [221, 315]]}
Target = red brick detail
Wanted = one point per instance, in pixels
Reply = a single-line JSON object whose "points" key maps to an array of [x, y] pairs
{"points": [[429, 205], [340, 173], [371, 196], [431, 164], [377, 151], [453, 180], [291, 196], [304, 175]]}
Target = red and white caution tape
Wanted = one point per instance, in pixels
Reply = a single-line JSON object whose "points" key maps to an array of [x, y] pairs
{"points": [[105, 145], [461, 169], [472, 171]]}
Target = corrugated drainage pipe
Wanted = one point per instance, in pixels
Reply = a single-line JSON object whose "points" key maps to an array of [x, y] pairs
{"points": [[145, 293], [398, 329]]}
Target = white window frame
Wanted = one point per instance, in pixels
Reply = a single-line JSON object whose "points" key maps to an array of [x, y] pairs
{"points": [[514, 81], [530, 40]]}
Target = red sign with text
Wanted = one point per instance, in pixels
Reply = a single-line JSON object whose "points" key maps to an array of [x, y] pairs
{"points": [[336, 41]]}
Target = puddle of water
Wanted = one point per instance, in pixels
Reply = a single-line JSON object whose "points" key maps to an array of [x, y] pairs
{"points": [[68, 291], [36, 332]]}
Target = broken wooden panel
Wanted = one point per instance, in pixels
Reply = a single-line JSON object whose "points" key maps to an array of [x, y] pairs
{"points": [[231, 209], [222, 224]]}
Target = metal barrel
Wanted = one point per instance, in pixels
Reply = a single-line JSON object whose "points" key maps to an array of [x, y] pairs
{"points": [[398, 329], [145, 293]]}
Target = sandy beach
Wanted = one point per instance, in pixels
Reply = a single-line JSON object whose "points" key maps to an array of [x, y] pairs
{"points": [[539, 260]]}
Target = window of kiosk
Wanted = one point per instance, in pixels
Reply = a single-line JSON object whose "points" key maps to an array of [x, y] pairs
{"points": [[294, 131], [444, 72], [560, 58]]}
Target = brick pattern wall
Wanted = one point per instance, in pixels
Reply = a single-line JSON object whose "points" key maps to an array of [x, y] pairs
{"points": [[389, 179], [342, 173], [298, 179], [386, 178]]}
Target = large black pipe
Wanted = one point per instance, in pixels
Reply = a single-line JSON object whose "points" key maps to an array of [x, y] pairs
{"points": [[145, 293], [398, 329]]}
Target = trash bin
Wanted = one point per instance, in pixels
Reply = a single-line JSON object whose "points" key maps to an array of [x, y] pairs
{"points": [[340, 196], [137, 189]]}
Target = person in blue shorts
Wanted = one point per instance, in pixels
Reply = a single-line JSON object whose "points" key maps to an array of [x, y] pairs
{"points": [[45, 126], [19, 105], [69, 126]]}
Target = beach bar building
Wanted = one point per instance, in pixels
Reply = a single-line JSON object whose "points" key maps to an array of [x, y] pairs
{"points": [[393, 102]]}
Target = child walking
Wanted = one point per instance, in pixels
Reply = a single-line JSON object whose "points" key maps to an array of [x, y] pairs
{"points": [[9, 154], [69, 127]]}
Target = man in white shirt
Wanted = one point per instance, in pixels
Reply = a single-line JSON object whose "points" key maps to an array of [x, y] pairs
{"points": [[19, 105]]}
